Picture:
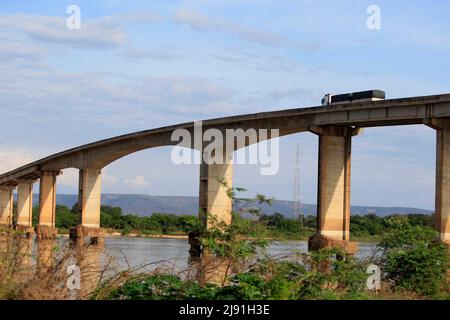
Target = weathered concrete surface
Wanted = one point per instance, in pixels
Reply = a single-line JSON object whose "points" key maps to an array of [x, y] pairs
{"points": [[27, 230], [89, 197], [215, 182], [443, 183], [209, 269], [80, 232], [333, 203], [319, 241], [6, 205], [25, 203], [47, 198], [47, 205], [44, 232]]}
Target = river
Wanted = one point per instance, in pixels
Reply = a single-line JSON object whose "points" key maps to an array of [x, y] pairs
{"points": [[131, 252], [142, 251]]}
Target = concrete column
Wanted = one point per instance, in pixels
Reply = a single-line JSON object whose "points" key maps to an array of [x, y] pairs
{"points": [[442, 193], [89, 202], [442, 202], [215, 181], [25, 205], [6, 205], [89, 197], [47, 205], [333, 194], [333, 204]]}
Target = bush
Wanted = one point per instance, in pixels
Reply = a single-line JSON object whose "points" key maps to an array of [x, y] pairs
{"points": [[413, 258], [268, 279]]}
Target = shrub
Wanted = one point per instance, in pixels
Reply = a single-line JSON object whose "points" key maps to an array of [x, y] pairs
{"points": [[268, 279], [413, 259]]}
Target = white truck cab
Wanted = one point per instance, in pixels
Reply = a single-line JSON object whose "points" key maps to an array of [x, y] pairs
{"points": [[326, 100]]}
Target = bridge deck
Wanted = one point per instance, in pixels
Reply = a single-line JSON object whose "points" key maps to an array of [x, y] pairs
{"points": [[404, 111]]}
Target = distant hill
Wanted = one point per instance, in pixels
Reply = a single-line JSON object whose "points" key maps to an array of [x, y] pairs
{"points": [[145, 205]]}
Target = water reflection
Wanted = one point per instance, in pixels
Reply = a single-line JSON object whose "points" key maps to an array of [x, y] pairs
{"points": [[144, 251], [95, 262], [44, 255], [90, 261], [123, 252]]}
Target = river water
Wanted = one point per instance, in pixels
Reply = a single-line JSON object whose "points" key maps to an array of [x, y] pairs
{"points": [[150, 253], [145, 251], [131, 254]]}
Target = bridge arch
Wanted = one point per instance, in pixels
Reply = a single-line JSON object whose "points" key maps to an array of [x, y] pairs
{"points": [[335, 125]]}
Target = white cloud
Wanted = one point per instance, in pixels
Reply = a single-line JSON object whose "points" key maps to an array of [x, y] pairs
{"points": [[163, 54], [137, 181], [69, 177], [35, 87], [259, 62], [12, 159], [200, 22], [53, 30], [108, 178], [105, 32], [10, 50]]}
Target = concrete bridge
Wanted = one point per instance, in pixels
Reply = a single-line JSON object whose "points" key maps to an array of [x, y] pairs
{"points": [[334, 125]]}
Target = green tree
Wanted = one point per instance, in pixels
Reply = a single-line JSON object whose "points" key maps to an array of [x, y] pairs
{"points": [[413, 257], [65, 218]]}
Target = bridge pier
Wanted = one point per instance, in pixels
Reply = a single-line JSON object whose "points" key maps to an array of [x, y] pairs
{"points": [[6, 205], [215, 210], [47, 205], [25, 206], [89, 202], [333, 194], [442, 196], [215, 181]]}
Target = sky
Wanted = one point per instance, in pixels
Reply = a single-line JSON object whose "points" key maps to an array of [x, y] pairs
{"points": [[136, 65]]}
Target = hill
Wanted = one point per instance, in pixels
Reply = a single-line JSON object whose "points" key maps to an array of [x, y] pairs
{"points": [[145, 205]]}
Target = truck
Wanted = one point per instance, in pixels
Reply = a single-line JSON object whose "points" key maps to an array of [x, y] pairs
{"points": [[360, 96]]}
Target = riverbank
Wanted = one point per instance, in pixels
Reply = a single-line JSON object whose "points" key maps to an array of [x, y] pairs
{"points": [[275, 236]]}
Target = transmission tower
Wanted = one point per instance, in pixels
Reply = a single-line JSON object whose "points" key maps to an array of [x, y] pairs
{"points": [[297, 201]]}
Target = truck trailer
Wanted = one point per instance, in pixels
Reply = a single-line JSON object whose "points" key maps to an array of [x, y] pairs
{"points": [[361, 96]]}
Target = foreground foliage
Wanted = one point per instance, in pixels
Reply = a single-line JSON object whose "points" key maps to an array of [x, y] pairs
{"points": [[267, 280], [413, 259], [413, 262]]}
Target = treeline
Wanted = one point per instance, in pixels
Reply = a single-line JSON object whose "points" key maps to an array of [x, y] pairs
{"points": [[360, 226], [277, 224], [373, 225], [114, 218]]}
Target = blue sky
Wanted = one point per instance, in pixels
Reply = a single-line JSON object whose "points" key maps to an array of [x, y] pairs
{"points": [[137, 65]]}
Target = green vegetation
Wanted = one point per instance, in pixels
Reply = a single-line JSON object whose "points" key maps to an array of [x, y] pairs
{"points": [[413, 266], [363, 228], [268, 280], [413, 262], [157, 223], [373, 227], [65, 218], [413, 258]]}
